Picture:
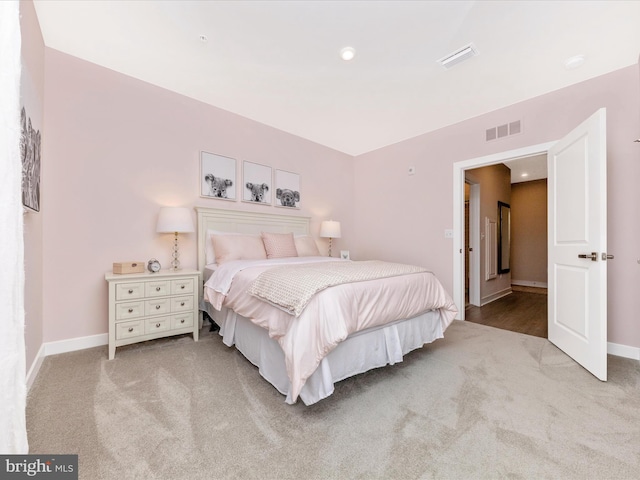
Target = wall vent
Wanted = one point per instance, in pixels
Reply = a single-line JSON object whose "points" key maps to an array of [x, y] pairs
{"points": [[502, 131]]}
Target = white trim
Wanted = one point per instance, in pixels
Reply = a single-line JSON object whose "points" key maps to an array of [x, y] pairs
{"points": [[458, 209], [73, 344], [529, 283], [474, 242], [63, 346], [623, 351], [35, 367], [495, 296]]}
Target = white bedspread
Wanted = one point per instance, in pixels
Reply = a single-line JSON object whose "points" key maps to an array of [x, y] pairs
{"points": [[331, 315]]}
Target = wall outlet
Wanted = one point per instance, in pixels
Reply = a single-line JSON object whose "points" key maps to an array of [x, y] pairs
{"points": [[448, 233]]}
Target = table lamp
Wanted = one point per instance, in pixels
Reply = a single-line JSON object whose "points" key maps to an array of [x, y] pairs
{"points": [[330, 229]]}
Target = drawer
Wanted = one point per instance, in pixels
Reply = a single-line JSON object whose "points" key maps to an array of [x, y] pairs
{"points": [[129, 291], [129, 329], [160, 324], [128, 310], [157, 307], [158, 288], [181, 286], [182, 321], [182, 304]]}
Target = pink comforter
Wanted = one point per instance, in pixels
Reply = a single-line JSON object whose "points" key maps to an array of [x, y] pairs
{"points": [[331, 315]]}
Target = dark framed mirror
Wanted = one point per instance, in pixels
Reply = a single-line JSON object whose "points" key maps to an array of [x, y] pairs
{"points": [[504, 237]]}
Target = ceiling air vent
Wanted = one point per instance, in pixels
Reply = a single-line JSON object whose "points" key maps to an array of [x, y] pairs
{"points": [[459, 56]]}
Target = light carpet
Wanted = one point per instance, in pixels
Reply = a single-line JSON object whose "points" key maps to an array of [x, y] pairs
{"points": [[480, 403]]}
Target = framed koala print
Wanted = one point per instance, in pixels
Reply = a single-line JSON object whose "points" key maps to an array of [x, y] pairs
{"points": [[287, 186], [217, 176], [256, 183]]}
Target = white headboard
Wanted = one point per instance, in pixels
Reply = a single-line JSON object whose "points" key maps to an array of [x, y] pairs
{"points": [[244, 222]]}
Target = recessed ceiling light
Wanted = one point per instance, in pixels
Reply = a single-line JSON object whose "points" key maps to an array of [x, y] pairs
{"points": [[574, 62], [347, 53], [525, 174], [203, 38]]}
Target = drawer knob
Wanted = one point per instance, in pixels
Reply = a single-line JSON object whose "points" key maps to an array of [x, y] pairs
{"points": [[182, 304], [157, 325], [130, 290], [182, 321], [157, 289], [182, 287], [157, 307], [130, 329], [131, 310]]}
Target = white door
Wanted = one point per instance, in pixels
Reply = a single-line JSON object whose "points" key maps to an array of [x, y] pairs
{"points": [[577, 217]]}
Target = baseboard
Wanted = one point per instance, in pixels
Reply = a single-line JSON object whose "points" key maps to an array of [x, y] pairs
{"points": [[495, 296], [73, 344], [35, 367], [63, 346], [623, 351], [529, 283]]}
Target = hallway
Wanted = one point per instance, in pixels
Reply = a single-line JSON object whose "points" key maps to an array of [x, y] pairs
{"points": [[523, 311]]}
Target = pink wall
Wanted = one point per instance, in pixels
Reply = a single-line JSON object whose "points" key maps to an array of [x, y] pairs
{"points": [[117, 149], [401, 217], [32, 92]]}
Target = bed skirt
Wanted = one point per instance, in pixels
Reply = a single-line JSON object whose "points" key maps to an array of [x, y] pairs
{"points": [[360, 352]]}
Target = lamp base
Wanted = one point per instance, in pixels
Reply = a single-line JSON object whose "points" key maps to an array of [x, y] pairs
{"points": [[175, 263]]}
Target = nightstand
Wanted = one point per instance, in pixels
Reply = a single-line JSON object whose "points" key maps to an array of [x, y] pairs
{"points": [[145, 306]]}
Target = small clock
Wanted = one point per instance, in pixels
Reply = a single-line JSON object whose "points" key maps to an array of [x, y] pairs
{"points": [[153, 266]]}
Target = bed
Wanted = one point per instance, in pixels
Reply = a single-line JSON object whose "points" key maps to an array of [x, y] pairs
{"points": [[303, 342]]}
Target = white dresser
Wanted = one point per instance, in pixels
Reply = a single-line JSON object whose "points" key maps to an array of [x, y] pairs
{"points": [[145, 306]]}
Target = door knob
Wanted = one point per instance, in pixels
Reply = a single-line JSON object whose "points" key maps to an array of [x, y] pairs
{"points": [[606, 257], [593, 256]]}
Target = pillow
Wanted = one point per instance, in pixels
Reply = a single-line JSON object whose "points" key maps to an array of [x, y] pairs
{"points": [[238, 247], [306, 246], [209, 252], [279, 245]]}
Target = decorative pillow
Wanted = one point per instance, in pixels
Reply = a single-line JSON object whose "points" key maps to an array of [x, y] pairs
{"points": [[238, 247], [279, 245], [209, 254], [306, 246]]}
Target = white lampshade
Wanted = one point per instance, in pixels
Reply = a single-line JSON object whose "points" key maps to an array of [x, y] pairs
{"points": [[330, 229], [175, 219]]}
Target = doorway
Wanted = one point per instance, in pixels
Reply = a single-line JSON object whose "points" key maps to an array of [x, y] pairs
{"points": [[459, 222], [517, 299]]}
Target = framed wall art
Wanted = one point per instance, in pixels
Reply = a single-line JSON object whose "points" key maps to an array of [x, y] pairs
{"points": [[256, 183], [30, 142], [217, 176], [287, 186]]}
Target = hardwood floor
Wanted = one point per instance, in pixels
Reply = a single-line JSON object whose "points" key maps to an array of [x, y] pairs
{"points": [[521, 311]]}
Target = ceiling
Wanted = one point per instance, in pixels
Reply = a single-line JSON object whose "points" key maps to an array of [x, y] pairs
{"points": [[528, 169], [277, 62]]}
